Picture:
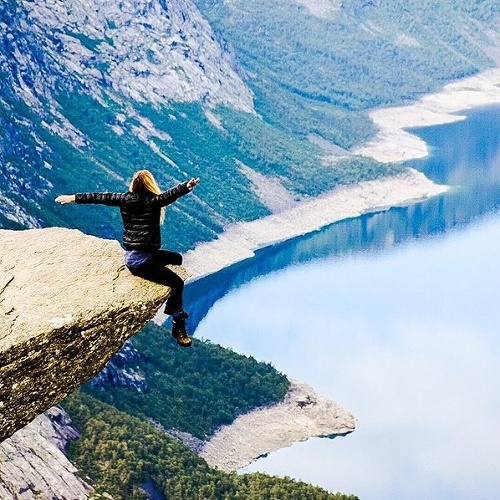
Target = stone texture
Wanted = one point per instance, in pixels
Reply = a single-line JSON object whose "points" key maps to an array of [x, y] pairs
{"points": [[150, 51], [122, 371], [33, 463], [302, 415], [67, 305]]}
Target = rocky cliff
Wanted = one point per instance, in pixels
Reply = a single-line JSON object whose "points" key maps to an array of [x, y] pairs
{"points": [[86, 85], [152, 51], [67, 305], [33, 463]]}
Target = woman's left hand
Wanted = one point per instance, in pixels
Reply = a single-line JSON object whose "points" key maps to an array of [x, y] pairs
{"points": [[192, 182]]}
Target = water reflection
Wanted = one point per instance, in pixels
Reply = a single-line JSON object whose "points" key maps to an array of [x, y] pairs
{"points": [[407, 340], [399, 326], [466, 155]]}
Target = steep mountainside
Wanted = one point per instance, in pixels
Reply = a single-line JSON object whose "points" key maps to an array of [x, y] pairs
{"points": [[317, 66], [90, 91], [69, 69], [148, 51]]}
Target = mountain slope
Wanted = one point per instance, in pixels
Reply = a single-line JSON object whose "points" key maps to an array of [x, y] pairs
{"points": [[147, 51], [317, 66], [56, 92], [92, 91]]}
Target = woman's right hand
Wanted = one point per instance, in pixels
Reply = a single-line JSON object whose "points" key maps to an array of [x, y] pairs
{"points": [[63, 199]]}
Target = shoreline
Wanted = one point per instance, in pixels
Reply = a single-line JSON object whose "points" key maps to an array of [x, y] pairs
{"points": [[392, 143], [255, 433], [240, 241], [265, 430]]}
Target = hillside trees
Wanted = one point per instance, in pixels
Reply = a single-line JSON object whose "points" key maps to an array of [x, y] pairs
{"points": [[194, 390], [360, 56], [123, 456]]}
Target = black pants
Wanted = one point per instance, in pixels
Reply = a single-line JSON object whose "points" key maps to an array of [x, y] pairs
{"points": [[155, 270]]}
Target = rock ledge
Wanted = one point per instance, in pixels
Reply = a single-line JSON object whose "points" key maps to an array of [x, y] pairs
{"points": [[67, 305]]}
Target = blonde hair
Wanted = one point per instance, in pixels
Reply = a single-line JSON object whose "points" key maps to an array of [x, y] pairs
{"points": [[143, 180]]}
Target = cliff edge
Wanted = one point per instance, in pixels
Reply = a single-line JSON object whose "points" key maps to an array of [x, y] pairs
{"points": [[67, 305]]}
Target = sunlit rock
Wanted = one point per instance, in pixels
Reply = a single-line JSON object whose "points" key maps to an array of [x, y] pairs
{"points": [[33, 463], [67, 305]]}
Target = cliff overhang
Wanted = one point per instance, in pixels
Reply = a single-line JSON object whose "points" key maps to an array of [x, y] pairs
{"points": [[67, 305]]}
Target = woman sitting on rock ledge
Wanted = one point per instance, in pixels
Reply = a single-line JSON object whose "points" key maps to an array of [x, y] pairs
{"points": [[143, 210]]}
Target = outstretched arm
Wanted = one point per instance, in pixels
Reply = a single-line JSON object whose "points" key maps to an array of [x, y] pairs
{"points": [[172, 194], [63, 199], [96, 198]]}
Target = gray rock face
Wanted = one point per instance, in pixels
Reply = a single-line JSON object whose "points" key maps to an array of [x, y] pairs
{"points": [[67, 305], [33, 463], [122, 371], [151, 50], [125, 51]]}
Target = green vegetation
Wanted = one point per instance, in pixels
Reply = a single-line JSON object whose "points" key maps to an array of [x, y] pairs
{"points": [[312, 77], [120, 454], [273, 152], [192, 146], [186, 145], [321, 74], [194, 390]]}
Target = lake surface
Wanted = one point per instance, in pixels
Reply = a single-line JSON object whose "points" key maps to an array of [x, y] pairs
{"points": [[395, 316]]}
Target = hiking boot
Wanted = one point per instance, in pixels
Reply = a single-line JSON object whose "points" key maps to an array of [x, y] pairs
{"points": [[179, 330]]}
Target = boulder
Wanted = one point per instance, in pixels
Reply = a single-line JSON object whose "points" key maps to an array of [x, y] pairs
{"points": [[67, 305]]}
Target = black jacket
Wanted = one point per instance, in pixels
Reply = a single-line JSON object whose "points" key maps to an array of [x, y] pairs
{"points": [[140, 213]]}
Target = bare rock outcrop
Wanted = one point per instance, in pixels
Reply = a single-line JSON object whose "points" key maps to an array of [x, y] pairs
{"points": [[33, 463], [67, 305], [301, 415], [155, 51]]}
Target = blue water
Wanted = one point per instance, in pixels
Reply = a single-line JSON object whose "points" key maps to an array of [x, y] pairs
{"points": [[395, 316]]}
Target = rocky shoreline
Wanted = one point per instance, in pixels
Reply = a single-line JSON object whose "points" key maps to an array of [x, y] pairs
{"points": [[394, 143], [258, 432], [391, 144], [269, 429], [240, 241]]}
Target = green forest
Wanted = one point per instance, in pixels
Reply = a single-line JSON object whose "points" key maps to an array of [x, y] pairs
{"points": [[123, 448], [194, 390], [119, 455], [322, 74]]}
